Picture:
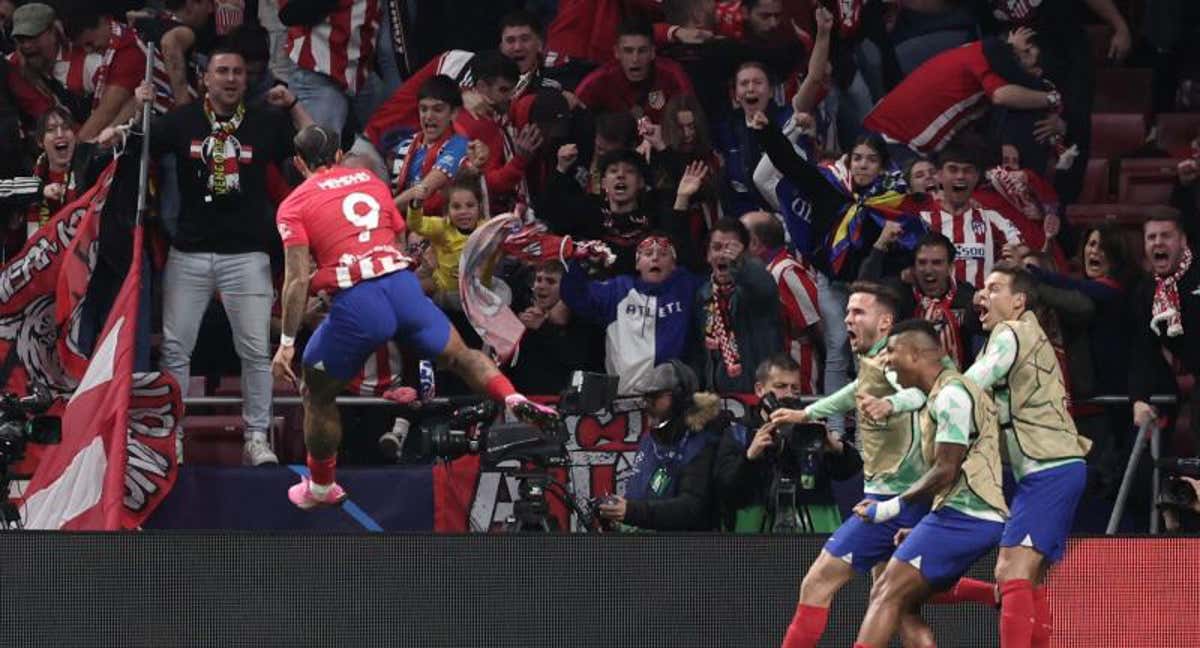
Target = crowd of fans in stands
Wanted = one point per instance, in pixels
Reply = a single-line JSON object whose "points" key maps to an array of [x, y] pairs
{"points": [[745, 161]]}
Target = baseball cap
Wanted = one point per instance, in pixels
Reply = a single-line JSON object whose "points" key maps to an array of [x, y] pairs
{"points": [[32, 19], [671, 376]]}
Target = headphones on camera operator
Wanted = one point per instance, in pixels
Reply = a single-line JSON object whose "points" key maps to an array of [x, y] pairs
{"points": [[677, 378]]}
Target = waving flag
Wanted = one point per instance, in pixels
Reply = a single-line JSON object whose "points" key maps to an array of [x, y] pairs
{"points": [[29, 330], [786, 198], [879, 203], [111, 468], [486, 310]]}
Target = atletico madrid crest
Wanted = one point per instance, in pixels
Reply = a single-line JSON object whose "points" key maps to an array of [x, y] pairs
{"points": [[979, 227]]}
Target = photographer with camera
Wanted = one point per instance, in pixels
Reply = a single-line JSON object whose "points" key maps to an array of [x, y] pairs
{"points": [[671, 485], [1179, 494], [773, 476]]}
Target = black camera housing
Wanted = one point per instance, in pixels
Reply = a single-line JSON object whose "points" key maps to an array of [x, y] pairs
{"points": [[469, 431], [18, 425], [1173, 492], [798, 446], [587, 392]]}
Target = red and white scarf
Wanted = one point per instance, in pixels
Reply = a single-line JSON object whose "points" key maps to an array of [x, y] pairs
{"points": [[1166, 299], [221, 167], [1014, 187], [938, 311], [431, 156], [718, 334], [42, 211]]}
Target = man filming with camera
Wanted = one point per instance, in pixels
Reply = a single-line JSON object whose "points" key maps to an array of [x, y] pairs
{"points": [[773, 476], [1179, 494], [671, 486]]}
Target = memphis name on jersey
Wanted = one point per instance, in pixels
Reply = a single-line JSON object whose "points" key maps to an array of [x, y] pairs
{"points": [[347, 219]]}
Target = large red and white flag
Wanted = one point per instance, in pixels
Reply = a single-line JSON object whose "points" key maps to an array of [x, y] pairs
{"points": [[29, 329], [109, 469]]}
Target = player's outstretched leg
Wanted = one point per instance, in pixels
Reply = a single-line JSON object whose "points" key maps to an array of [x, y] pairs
{"points": [[322, 435], [968, 590], [827, 575], [482, 375], [899, 591]]}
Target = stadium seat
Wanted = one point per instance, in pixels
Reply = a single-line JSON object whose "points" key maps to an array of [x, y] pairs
{"points": [[1146, 181], [213, 440], [195, 386], [1121, 89], [1096, 182], [1116, 134], [1177, 130], [1099, 214]]}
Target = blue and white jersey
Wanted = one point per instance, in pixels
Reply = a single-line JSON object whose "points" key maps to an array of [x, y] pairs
{"points": [[645, 324]]}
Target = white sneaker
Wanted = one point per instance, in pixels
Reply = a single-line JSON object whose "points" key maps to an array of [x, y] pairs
{"points": [[257, 452]]}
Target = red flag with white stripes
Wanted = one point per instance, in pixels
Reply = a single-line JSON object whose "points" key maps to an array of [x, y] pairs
{"points": [[83, 483]]}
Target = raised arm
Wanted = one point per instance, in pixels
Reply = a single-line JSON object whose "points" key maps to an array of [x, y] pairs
{"points": [[809, 93], [295, 301], [997, 359], [175, 44], [1021, 98], [779, 150]]}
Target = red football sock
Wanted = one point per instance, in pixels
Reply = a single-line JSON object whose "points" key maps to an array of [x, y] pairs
{"points": [[1043, 620], [808, 624], [322, 469], [499, 388], [967, 590], [1016, 614]]}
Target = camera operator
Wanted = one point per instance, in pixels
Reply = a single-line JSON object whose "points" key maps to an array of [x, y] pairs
{"points": [[1179, 494], [671, 486], [758, 489]]}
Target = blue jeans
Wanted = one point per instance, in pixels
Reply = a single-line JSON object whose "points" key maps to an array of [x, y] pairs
{"points": [[831, 300], [244, 283], [328, 103], [385, 48]]}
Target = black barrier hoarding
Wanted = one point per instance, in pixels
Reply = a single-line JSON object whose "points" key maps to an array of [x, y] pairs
{"points": [[160, 589]]}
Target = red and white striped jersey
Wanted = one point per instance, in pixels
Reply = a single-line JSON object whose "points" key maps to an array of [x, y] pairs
{"points": [[77, 70], [342, 46], [123, 63], [382, 371], [978, 235], [348, 221], [937, 99], [798, 305]]}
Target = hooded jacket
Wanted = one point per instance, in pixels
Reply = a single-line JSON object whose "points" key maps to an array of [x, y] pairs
{"points": [[645, 324], [684, 502]]}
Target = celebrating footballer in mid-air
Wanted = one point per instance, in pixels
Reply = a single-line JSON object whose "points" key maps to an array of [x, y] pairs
{"points": [[345, 219]]}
